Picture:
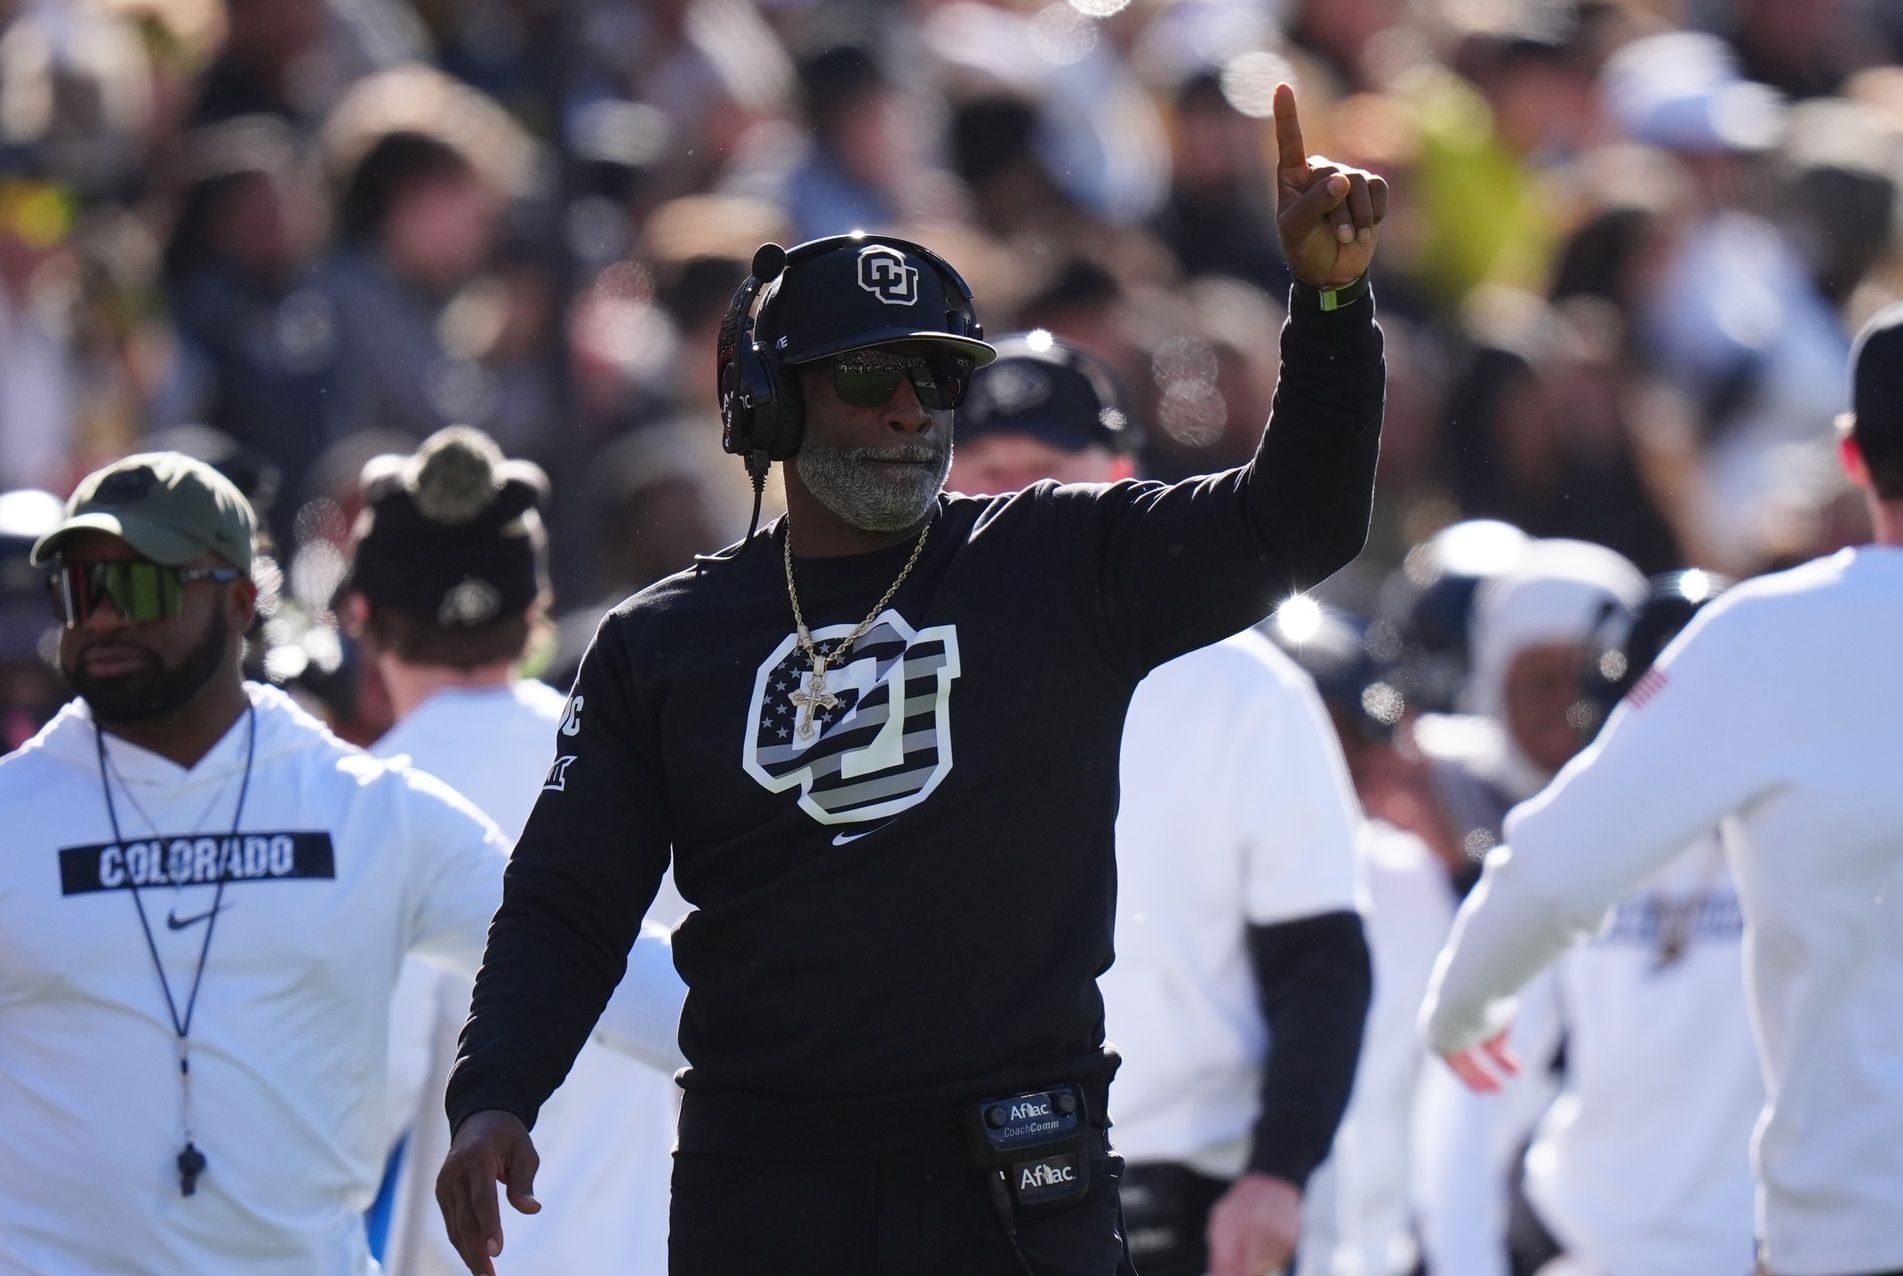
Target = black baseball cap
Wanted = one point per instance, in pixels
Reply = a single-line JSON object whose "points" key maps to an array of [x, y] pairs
{"points": [[1050, 390], [1876, 398], [853, 291]]}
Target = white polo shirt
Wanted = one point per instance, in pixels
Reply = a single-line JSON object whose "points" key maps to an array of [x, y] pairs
{"points": [[1778, 713], [1236, 810], [343, 865]]}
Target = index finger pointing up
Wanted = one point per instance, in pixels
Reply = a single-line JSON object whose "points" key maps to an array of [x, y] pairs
{"points": [[1290, 153]]}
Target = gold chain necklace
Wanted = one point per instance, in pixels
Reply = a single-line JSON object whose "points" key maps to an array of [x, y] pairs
{"points": [[814, 696]]}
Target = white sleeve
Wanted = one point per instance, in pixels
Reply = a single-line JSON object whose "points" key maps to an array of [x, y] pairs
{"points": [[643, 1018], [1410, 910], [1295, 810], [457, 858], [1674, 759], [415, 1008], [1467, 1146]]}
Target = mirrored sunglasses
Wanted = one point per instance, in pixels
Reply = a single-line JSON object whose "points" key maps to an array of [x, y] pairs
{"points": [[869, 378], [140, 591]]}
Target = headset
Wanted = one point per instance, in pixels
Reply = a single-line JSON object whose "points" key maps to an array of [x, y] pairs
{"points": [[762, 415]]}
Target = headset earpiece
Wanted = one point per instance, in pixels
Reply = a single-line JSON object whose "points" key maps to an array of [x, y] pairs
{"points": [[751, 387]]}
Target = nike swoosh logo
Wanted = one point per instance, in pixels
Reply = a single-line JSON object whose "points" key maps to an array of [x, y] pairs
{"points": [[840, 839], [174, 922]]}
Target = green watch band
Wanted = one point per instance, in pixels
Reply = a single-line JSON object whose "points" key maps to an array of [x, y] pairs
{"points": [[1326, 299]]}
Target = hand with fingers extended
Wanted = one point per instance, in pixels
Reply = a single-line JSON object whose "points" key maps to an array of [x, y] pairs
{"points": [[1328, 215], [489, 1148], [1486, 1067]]}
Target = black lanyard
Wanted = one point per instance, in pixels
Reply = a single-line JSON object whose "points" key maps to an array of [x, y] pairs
{"points": [[191, 1162]]}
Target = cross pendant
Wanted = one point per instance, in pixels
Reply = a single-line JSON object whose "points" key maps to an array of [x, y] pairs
{"points": [[813, 696]]}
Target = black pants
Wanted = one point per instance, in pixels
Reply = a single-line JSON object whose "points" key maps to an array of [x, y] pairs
{"points": [[1166, 1208], [922, 1212]]}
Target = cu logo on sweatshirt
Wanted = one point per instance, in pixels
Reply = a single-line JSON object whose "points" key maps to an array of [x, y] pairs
{"points": [[881, 746]]}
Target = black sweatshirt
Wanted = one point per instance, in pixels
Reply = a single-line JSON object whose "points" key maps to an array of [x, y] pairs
{"points": [[897, 912]]}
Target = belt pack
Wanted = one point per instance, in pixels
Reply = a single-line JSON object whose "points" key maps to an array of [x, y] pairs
{"points": [[1032, 1146]]}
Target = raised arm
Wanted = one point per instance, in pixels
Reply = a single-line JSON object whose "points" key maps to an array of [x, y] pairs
{"points": [[1186, 564]]}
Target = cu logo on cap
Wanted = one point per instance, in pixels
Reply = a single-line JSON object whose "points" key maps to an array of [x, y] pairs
{"points": [[886, 274]]}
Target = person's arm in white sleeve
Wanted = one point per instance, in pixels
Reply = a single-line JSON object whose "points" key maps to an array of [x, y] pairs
{"points": [[457, 858], [1409, 914], [1675, 759], [415, 1021], [1467, 1145], [460, 858], [643, 1018]]}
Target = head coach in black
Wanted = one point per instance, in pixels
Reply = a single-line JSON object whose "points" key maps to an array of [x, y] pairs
{"points": [[878, 742]]}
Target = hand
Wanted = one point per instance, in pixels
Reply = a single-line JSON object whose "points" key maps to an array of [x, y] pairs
{"points": [[489, 1147], [1485, 1067], [1328, 215], [1254, 1228]]}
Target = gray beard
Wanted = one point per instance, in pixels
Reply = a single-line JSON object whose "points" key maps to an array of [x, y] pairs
{"points": [[854, 486]]}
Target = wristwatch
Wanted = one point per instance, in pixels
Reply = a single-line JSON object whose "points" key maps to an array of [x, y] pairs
{"points": [[1333, 298]]}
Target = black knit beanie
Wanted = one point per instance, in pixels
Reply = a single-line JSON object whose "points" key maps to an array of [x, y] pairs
{"points": [[453, 533]]}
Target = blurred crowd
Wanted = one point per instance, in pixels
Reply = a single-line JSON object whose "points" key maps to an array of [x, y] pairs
{"points": [[1628, 243], [1629, 238]]}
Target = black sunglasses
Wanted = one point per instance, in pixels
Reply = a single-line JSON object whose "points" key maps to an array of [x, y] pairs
{"points": [[869, 378], [140, 590]]}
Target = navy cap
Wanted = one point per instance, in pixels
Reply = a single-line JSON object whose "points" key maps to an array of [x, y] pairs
{"points": [[853, 291], [1050, 390], [1876, 389]]}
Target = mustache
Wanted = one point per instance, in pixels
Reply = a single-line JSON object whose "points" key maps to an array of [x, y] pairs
{"points": [[917, 454], [113, 646]]}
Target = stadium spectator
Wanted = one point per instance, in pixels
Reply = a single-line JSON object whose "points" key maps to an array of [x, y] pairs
{"points": [[425, 169], [258, 340]]}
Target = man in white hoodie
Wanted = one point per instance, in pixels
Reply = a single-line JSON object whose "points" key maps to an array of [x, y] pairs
{"points": [[450, 579], [205, 898]]}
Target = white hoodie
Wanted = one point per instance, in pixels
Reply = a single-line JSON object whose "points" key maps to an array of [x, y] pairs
{"points": [[1774, 718], [343, 865]]}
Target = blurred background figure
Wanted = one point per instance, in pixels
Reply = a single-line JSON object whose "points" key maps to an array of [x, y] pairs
{"points": [[425, 170], [31, 690], [1538, 627], [1360, 1213], [449, 586], [1629, 244], [257, 354], [1653, 1179], [1242, 979], [39, 369]]}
